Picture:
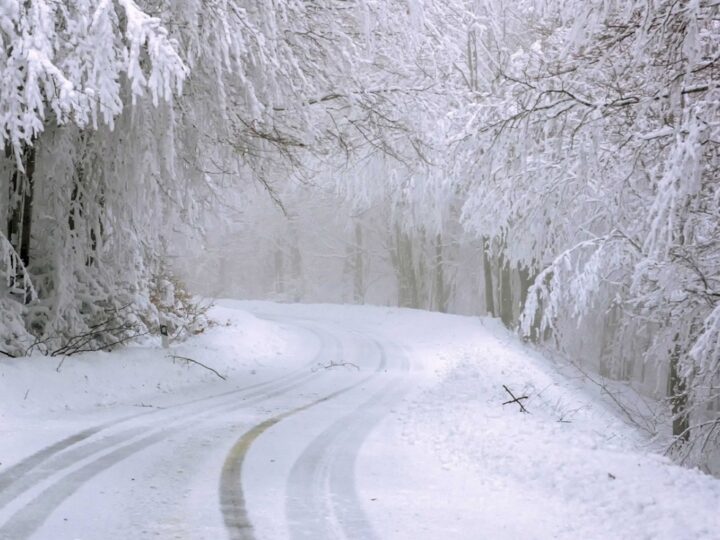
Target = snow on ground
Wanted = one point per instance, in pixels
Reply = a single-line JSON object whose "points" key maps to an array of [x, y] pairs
{"points": [[237, 342], [571, 468], [447, 460], [43, 399], [452, 460]]}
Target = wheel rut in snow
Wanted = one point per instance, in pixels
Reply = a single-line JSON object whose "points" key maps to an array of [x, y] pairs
{"points": [[17, 471], [232, 497], [321, 496], [78, 463], [23, 523], [13, 475], [66, 453]]}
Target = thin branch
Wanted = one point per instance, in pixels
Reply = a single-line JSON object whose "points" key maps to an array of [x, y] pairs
{"points": [[516, 400], [190, 360]]}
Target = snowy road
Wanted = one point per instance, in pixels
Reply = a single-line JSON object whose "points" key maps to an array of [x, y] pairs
{"points": [[312, 471], [333, 423], [96, 482]]}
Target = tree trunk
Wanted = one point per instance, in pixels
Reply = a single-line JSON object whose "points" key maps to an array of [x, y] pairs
{"points": [[677, 389], [296, 274], [279, 271], [79, 221], [405, 270], [358, 270], [506, 303], [487, 271], [525, 283], [441, 293], [19, 225]]}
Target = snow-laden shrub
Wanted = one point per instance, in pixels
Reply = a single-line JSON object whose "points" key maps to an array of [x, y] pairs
{"points": [[183, 313]]}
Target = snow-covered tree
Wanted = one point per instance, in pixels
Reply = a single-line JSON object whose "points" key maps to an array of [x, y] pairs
{"points": [[551, 163], [597, 128], [68, 72], [123, 120]]}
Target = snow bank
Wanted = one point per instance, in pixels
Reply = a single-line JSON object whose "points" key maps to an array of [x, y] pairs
{"points": [[238, 343], [573, 467], [44, 399]]}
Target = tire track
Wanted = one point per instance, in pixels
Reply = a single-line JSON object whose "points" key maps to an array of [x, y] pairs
{"points": [[322, 500], [19, 472], [232, 497], [71, 455], [69, 452], [20, 469], [31, 516]]}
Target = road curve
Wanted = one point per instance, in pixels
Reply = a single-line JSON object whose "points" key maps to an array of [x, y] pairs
{"points": [[37, 493], [320, 500]]}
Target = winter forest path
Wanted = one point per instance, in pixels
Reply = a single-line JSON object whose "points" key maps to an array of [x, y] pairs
{"points": [[203, 468], [333, 423]]}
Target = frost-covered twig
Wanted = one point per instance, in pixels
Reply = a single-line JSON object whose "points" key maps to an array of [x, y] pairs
{"points": [[88, 341], [681, 444], [620, 405]]}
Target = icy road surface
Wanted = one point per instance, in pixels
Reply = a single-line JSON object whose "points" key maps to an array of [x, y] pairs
{"points": [[332, 422]]}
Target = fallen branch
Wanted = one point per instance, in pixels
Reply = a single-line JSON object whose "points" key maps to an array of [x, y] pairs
{"points": [[87, 348], [679, 441], [190, 360], [516, 400], [87, 342]]}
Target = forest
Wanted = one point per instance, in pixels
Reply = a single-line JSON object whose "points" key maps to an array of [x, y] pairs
{"points": [[551, 163]]}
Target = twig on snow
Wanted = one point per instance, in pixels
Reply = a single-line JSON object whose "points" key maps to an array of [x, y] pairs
{"points": [[148, 406], [190, 360], [336, 364], [516, 400]]}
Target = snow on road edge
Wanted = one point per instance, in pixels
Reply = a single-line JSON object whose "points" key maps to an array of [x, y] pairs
{"points": [[462, 461], [41, 403]]}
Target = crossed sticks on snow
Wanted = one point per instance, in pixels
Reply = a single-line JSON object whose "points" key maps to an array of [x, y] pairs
{"points": [[516, 400]]}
